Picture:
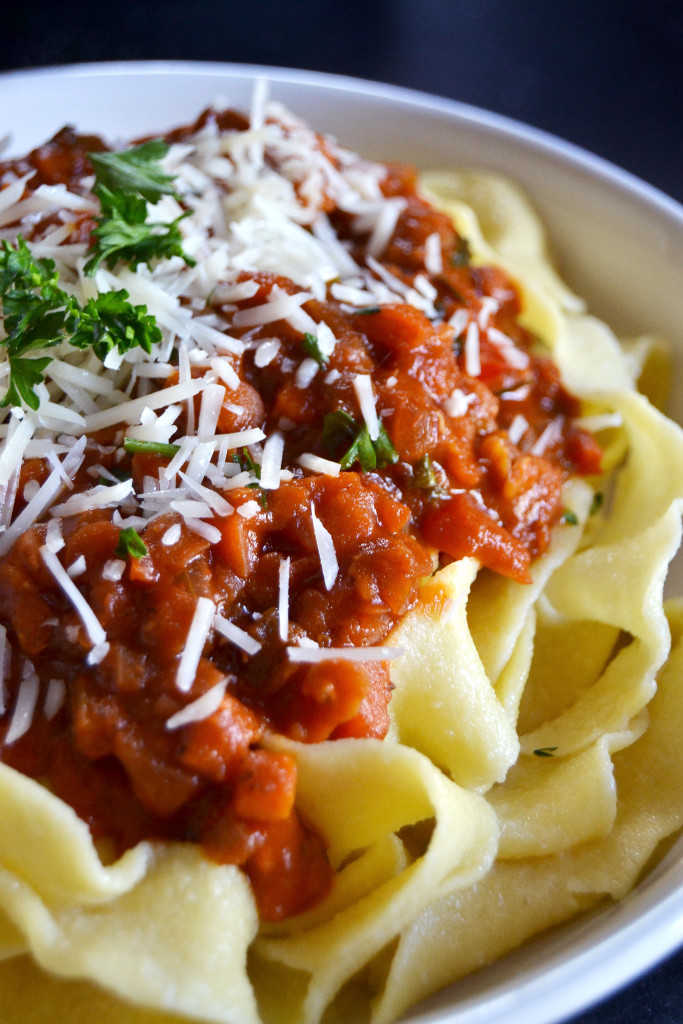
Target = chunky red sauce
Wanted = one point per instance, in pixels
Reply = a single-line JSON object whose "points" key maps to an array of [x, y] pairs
{"points": [[454, 484]]}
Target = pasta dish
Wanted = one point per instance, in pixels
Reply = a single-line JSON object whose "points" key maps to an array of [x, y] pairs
{"points": [[333, 539]]}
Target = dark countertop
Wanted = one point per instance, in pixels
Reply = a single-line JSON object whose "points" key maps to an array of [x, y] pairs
{"points": [[604, 74]]}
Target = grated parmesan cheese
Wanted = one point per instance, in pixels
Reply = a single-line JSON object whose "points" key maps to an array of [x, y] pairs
{"points": [[313, 655], [362, 385], [235, 635], [200, 708], [326, 551], [472, 355], [271, 463], [55, 698], [317, 464], [200, 627], [518, 428], [283, 598], [84, 611], [25, 705]]}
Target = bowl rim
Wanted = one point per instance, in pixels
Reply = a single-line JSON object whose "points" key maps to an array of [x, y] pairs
{"points": [[546, 142]]}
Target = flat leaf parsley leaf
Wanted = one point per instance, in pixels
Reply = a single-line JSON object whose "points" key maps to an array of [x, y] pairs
{"points": [[38, 314], [137, 169], [110, 321], [124, 183]]}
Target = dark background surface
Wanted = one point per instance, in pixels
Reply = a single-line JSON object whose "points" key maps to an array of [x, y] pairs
{"points": [[607, 75]]}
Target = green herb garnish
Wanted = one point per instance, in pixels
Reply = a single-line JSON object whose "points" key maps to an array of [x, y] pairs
{"points": [[545, 752], [109, 321], [570, 517], [135, 170], [597, 503], [341, 430], [136, 447], [461, 255], [130, 543], [425, 479], [368, 310], [124, 183], [38, 314], [244, 460], [311, 347]]}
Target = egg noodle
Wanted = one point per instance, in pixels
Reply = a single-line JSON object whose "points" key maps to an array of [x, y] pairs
{"points": [[531, 769]]}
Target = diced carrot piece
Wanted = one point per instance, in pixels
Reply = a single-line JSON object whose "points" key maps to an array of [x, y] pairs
{"points": [[216, 746], [265, 786], [289, 871], [239, 545]]}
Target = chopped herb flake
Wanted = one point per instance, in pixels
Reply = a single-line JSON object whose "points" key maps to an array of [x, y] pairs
{"points": [[244, 460], [570, 517], [340, 428], [597, 503], [461, 255], [311, 347], [545, 752], [425, 478], [137, 169], [136, 447], [130, 543]]}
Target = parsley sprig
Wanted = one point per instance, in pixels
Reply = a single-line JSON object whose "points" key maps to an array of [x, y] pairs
{"points": [[39, 314], [124, 183], [340, 429]]}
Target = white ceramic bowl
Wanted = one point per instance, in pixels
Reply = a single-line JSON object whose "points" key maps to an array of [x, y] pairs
{"points": [[619, 243]]}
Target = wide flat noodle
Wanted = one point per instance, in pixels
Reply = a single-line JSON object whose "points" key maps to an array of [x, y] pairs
{"points": [[359, 792], [444, 704], [149, 928], [519, 898]]}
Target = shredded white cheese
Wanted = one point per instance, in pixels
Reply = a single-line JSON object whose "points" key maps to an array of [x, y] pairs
{"points": [[25, 705], [199, 709], [239, 637], [271, 463], [316, 464], [313, 655], [200, 627], [472, 354], [84, 611], [326, 551], [362, 385], [283, 599]]}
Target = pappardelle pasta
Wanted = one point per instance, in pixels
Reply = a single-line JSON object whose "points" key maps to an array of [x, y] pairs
{"points": [[336, 662]]}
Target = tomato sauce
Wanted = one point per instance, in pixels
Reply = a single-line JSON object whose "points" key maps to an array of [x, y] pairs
{"points": [[446, 481]]}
